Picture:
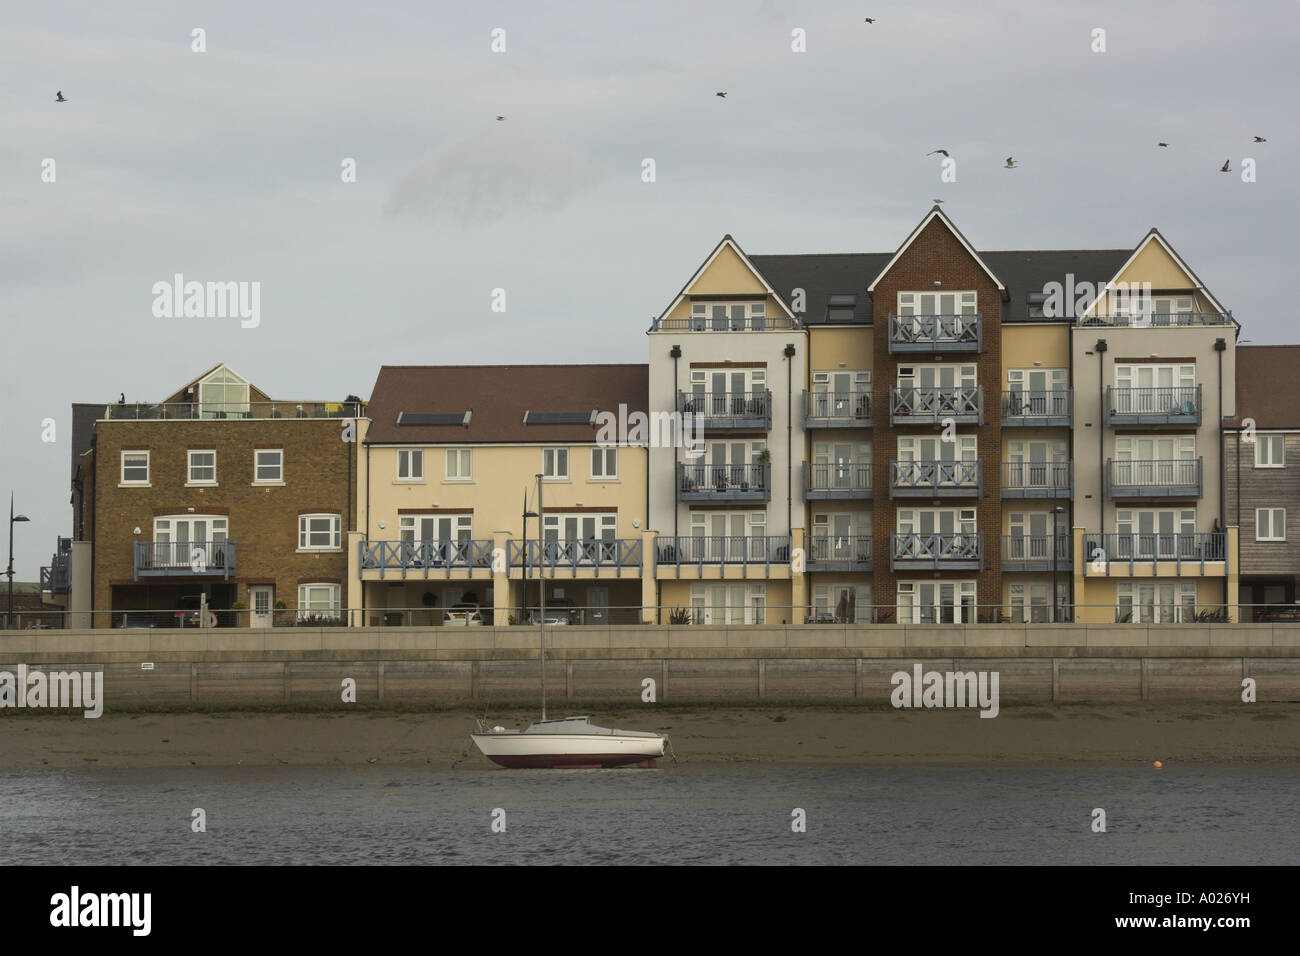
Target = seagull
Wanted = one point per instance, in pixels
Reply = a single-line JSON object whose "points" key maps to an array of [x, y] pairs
{"points": [[1162, 144], [937, 201], [59, 98], [500, 118], [868, 20], [723, 95], [1260, 139], [1227, 163], [933, 151], [1011, 163]]}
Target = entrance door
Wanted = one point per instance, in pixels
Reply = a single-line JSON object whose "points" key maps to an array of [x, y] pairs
{"points": [[261, 604], [597, 605]]}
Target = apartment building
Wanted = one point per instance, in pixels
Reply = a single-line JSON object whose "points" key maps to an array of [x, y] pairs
{"points": [[218, 496], [448, 494], [1262, 479], [948, 459]]}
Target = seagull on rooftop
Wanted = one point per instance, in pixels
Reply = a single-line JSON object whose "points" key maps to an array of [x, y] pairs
{"points": [[59, 98], [1260, 139], [1011, 163], [1227, 163]]}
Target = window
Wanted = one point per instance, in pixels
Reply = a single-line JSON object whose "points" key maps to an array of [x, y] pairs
{"points": [[729, 603], [318, 600], [436, 527], [732, 536], [318, 532], [557, 526], [1133, 308], [846, 603], [946, 377], [193, 541], [936, 303], [555, 463], [728, 316], [1151, 389], [604, 463], [203, 467], [841, 308], [1270, 524], [410, 464], [460, 464], [135, 468], [1270, 451], [936, 602], [268, 466], [1037, 391], [223, 394], [1155, 602]]}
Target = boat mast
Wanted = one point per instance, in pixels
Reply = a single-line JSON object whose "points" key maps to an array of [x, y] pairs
{"points": [[541, 586]]}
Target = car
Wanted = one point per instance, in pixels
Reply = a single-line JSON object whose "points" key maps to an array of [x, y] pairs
{"points": [[466, 615], [559, 611], [1273, 614], [822, 618]]}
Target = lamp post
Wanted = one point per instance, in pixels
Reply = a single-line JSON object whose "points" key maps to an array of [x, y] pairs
{"points": [[541, 587], [523, 611], [9, 617], [1056, 513]]}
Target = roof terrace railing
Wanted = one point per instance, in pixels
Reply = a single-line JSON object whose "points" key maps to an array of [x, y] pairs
{"points": [[202, 411]]}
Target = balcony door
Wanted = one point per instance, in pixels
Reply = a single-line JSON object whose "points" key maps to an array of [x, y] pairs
{"points": [[1030, 536], [834, 538], [178, 538]]}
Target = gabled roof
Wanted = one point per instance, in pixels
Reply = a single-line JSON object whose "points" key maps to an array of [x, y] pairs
{"points": [[822, 276], [1154, 236], [498, 396], [727, 242], [936, 212]]}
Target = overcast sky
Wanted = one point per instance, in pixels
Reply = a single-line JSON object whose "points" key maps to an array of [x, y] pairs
{"points": [[225, 166]]}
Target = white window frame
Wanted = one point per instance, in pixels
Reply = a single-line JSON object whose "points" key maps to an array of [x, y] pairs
{"points": [[962, 588], [305, 532], [551, 458], [134, 482], [410, 461], [1276, 522], [826, 601], [704, 317], [1130, 594], [1264, 457], [310, 606], [966, 302], [743, 603], [602, 458], [190, 480], [258, 466], [965, 374], [462, 526], [459, 455], [225, 384]]}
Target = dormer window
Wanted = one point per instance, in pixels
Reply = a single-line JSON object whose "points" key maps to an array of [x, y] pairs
{"points": [[841, 308], [728, 316], [223, 394]]}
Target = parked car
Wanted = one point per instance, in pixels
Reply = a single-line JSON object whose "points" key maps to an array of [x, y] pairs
{"points": [[466, 615], [821, 619], [1280, 613], [559, 611]]}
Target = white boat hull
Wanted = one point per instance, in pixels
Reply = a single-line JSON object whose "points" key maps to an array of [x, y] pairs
{"points": [[571, 746]]}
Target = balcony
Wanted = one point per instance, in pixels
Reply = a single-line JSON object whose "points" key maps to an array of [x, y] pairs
{"points": [[195, 411], [205, 559], [933, 406], [1158, 320], [725, 482], [1177, 406], [1167, 478], [727, 411], [936, 552], [740, 551], [56, 578], [1049, 408], [1033, 552], [845, 552], [587, 554], [935, 333], [424, 559], [825, 481], [1143, 555], [836, 409], [1037, 479], [728, 324], [935, 479]]}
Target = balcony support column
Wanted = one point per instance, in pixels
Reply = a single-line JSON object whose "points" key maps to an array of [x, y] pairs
{"points": [[354, 598], [649, 582], [798, 574], [500, 571], [1231, 564]]}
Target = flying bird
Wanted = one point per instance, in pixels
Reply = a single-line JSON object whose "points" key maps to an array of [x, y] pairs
{"points": [[1162, 144], [723, 95], [59, 98], [933, 151], [937, 201], [500, 118], [1227, 163], [868, 20], [1260, 139], [1011, 163]]}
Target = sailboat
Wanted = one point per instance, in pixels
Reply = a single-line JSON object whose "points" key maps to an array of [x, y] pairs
{"points": [[569, 742]]}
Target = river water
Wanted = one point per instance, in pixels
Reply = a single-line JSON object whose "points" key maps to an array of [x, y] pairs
{"points": [[714, 814]]}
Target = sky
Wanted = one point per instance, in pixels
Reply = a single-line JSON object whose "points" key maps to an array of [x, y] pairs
{"points": [[227, 165]]}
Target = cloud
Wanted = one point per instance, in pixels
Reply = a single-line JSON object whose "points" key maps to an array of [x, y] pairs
{"points": [[498, 172]]}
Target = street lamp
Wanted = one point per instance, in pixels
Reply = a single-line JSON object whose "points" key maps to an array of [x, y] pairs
{"points": [[1056, 513], [523, 618], [13, 518]]}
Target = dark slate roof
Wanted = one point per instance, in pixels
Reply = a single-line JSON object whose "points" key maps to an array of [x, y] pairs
{"points": [[1022, 272], [83, 430], [498, 396], [1268, 389]]}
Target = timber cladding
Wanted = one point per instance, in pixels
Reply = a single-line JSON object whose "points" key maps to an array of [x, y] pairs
{"points": [[263, 518], [937, 255]]}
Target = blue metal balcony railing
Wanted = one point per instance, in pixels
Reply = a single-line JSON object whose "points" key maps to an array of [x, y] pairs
{"points": [[1033, 552], [726, 324], [1193, 549], [839, 552], [725, 482], [1037, 479], [938, 552], [1038, 407], [686, 551], [424, 558], [841, 479], [185, 558], [1162, 478], [1157, 319], [597, 554], [935, 333], [923, 479], [837, 409], [916, 406], [1160, 405], [728, 410]]}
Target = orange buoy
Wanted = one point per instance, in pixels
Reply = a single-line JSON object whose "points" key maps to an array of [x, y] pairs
{"points": [[1158, 765]]}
